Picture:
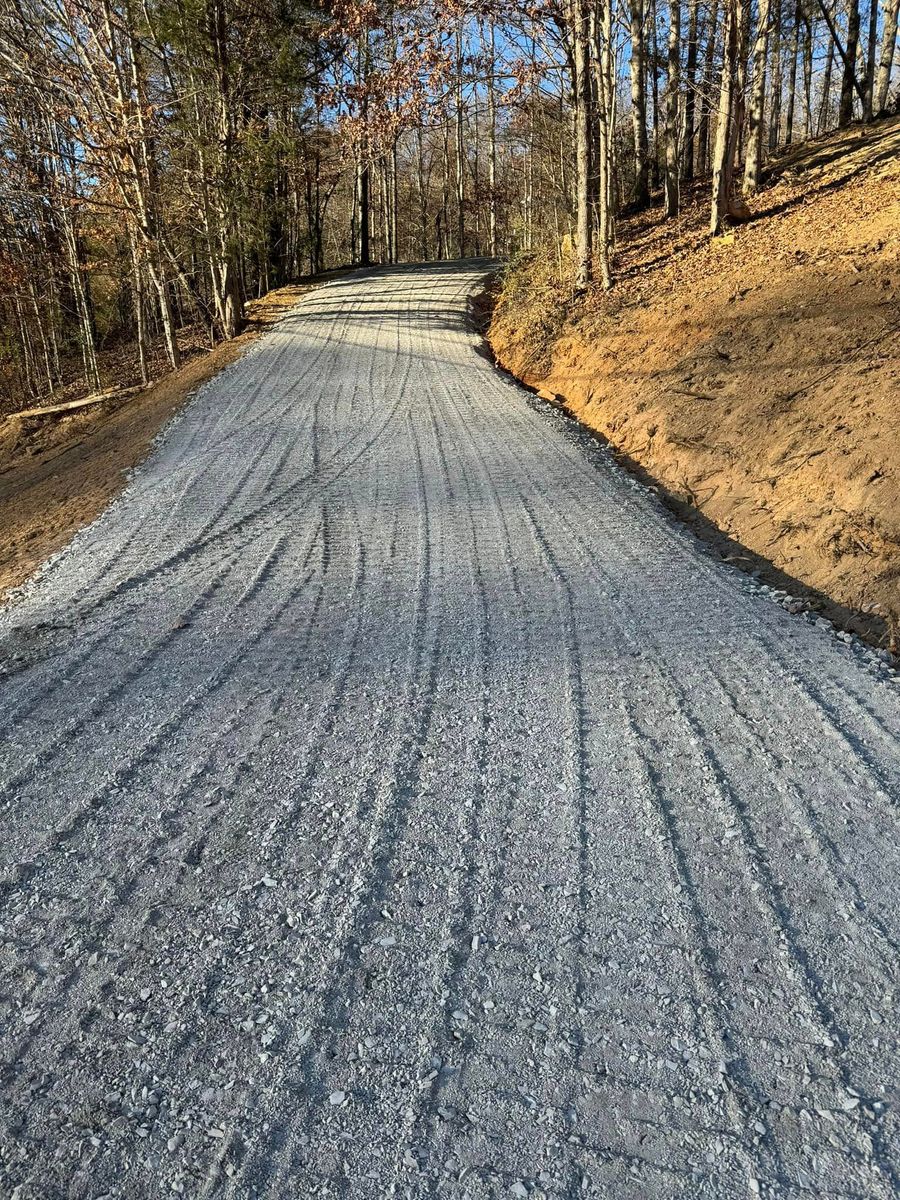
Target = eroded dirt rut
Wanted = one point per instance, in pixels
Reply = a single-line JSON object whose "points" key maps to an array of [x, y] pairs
{"points": [[397, 803]]}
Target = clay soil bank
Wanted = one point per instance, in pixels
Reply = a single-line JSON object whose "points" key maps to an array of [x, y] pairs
{"points": [[755, 378]]}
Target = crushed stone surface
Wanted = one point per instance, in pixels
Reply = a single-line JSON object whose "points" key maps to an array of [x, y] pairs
{"points": [[397, 803]]}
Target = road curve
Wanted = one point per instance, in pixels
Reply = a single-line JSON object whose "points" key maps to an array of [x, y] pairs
{"points": [[397, 803]]}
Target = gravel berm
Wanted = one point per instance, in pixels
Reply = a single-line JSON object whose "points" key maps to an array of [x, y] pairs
{"points": [[396, 802]]}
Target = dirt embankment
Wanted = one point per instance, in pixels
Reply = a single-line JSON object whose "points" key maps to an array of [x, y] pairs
{"points": [[59, 471], [755, 378]]}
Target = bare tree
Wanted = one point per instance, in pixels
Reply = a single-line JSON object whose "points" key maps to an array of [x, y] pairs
{"points": [[673, 79], [730, 115], [579, 32], [753, 163], [638, 72], [886, 56], [849, 79]]}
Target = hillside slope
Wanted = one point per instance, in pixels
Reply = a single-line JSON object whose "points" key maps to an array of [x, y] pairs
{"points": [[756, 377]]}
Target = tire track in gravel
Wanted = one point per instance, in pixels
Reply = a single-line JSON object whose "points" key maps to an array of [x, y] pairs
{"points": [[442, 958], [801, 971], [311, 767], [316, 539], [575, 782], [747, 715], [157, 487], [62, 738], [647, 784], [118, 906], [323, 475], [512, 1179], [220, 726], [708, 978], [143, 665], [206, 984], [432, 818], [668, 685], [838, 725], [577, 538], [441, 940], [466, 960], [388, 813], [133, 586]]}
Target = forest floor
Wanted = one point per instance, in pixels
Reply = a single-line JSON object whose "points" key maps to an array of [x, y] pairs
{"points": [[755, 378], [59, 471]]}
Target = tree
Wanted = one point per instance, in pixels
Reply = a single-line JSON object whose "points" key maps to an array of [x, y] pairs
{"points": [[673, 74], [753, 164], [730, 115], [638, 72], [579, 31], [166, 160], [849, 79], [886, 57]]}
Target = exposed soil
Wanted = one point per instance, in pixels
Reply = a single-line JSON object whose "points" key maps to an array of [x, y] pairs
{"points": [[756, 378], [59, 471]]}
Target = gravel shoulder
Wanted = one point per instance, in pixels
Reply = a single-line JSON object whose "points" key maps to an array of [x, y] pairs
{"points": [[395, 801]]}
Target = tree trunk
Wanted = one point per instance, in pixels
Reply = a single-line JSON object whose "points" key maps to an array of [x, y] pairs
{"points": [[822, 123], [792, 79], [492, 150], [638, 69], [529, 183], [423, 196], [807, 75], [703, 132], [395, 203], [871, 49], [886, 57], [384, 181], [31, 385], [580, 37], [460, 151], [690, 99], [443, 223], [72, 243], [848, 60], [673, 62], [753, 164], [607, 98], [776, 10], [363, 215], [730, 116], [654, 64], [848, 80], [139, 314]]}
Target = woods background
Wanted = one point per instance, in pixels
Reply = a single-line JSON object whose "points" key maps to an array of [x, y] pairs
{"points": [[164, 161]]}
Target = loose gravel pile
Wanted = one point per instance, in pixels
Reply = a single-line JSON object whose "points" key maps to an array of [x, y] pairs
{"points": [[397, 803]]}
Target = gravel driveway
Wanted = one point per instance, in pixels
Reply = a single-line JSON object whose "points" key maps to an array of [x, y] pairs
{"points": [[397, 803]]}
